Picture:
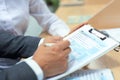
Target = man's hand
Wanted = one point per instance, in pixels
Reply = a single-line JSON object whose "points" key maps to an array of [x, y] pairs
{"points": [[53, 59]]}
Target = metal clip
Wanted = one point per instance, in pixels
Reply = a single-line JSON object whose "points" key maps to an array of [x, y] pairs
{"points": [[117, 49]]}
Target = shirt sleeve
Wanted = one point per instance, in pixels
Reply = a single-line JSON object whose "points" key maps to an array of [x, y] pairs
{"points": [[41, 41], [35, 67], [47, 20]]}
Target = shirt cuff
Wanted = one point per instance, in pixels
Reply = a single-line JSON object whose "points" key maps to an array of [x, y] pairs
{"points": [[59, 29], [41, 41], [35, 67]]}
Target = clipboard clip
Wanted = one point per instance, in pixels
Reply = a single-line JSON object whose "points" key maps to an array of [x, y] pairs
{"points": [[98, 33], [117, 49], [103, 35]]}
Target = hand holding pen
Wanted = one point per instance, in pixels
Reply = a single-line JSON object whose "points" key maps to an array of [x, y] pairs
{"points": [[53, 59]]}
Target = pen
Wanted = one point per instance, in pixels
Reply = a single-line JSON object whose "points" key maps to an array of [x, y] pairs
{"points": [[49, 44]]}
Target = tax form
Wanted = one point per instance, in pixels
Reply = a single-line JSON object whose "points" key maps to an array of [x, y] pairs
{"points": [[102, 74], [87, 44]]}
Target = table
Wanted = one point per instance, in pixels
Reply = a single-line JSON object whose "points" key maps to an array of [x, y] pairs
{"points": [[89, 8]]}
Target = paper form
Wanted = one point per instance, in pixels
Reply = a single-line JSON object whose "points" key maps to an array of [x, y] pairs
{"points": [[104, 74], [87, 44]]}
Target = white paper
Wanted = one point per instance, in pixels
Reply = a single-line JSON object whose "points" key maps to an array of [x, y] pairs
{"points": [[104, 74], [86, 47]]}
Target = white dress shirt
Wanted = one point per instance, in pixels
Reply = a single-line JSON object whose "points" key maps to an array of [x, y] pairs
{"points": [[14, 16], [35, 67]]}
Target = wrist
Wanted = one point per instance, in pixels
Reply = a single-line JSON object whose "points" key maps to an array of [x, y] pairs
{"points": [[35, 67], [41, 64]]}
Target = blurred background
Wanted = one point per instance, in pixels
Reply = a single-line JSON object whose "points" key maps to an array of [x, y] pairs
{"points": [[52, 4]]}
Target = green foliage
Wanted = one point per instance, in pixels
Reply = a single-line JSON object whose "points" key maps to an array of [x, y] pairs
{"points": [[52, 4]]}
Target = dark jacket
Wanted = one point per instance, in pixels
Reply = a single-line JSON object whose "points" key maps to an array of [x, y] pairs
{"points": [[13, 47]]}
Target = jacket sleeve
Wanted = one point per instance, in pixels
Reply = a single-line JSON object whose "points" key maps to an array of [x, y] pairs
{"points": [[12, 46], [18, 72]]}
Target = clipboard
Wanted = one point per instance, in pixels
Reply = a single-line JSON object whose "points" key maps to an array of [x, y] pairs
{"points": [[108, 17], [87, 44]]}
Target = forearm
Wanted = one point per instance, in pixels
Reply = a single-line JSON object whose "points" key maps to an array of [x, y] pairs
{"points": [[12, 46]]}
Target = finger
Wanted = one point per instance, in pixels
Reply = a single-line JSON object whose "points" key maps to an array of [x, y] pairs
{"points": [[63, 44], [58, 38], [66, 52]]}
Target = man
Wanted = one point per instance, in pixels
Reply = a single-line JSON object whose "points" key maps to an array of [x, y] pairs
{"points": [[48, 61], [25, 47]]}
